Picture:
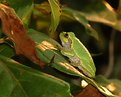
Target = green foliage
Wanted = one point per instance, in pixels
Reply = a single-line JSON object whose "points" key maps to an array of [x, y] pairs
{"points": [[21, 81], [6, 50], [112, 84], [46, 50], [55, 15], [79, 17], [50, 17]]}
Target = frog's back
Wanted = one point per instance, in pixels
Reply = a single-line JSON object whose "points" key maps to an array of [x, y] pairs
{"points": [[83, 54]]}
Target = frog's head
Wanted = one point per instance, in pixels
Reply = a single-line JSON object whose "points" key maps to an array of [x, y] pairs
{"points": [[66, 39]]}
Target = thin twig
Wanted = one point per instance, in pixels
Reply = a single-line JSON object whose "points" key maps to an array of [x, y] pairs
{"points": [[111, 54]]}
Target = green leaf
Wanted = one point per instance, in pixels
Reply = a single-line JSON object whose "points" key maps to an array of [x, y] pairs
{"points": [[21, 81], [78, 16], [100, 11], [101, 88], [41, 16], [55, 15], [9, 85], [6, 50], [111, 84], [119, 7], [47, 51], [23, 8]]}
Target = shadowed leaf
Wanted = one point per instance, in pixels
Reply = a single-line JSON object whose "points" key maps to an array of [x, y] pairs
{"points": [[78, 16], [18, 80]]}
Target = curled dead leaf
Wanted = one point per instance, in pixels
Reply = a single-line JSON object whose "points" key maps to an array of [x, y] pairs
{"points": [[13, 28]]}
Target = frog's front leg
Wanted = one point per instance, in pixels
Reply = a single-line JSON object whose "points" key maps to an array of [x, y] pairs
{"points": [[74, 60], [67, 53]]}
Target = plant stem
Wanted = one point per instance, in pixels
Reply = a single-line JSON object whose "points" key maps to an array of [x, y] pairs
{"points": [[111, 54]]}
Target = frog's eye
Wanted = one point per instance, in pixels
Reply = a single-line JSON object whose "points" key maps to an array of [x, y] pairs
{"points": [[66, 35]]}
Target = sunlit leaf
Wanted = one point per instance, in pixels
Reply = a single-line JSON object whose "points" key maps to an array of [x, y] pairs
{"points": [[55, 15], [49, 54], [46, 50], [111, 84], [102, 13], [119, 8], [41, 16]]}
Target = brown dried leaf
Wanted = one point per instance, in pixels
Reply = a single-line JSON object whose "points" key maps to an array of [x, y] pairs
{"points": [[89, 91], [13, 28]]}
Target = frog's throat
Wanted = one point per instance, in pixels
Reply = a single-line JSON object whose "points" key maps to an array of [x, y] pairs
{"points": [[67, 45]]}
